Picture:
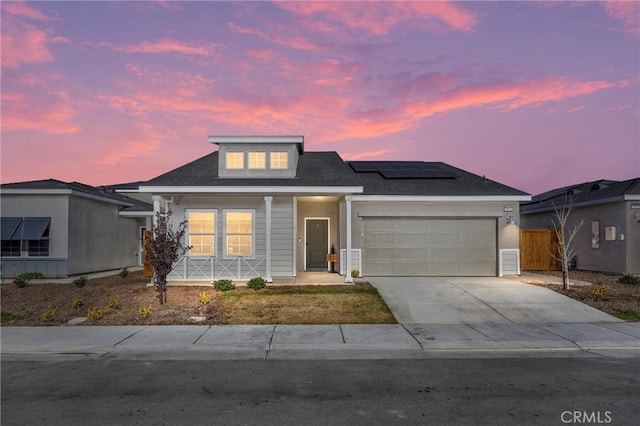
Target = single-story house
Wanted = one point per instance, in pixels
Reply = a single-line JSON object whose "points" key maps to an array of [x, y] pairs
{"points": [[263, 206], [609, 238], [60, 229]]}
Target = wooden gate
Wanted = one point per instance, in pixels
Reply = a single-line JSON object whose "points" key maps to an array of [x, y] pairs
{"points": [[536, 248]]}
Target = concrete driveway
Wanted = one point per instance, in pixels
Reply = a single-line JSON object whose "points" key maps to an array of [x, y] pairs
{"points": [[480, 300]]}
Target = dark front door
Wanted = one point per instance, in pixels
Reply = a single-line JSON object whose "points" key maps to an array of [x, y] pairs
{"points": [[317, 242]]}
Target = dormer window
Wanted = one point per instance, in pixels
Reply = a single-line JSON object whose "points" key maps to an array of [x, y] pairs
{"points": [[257, 160], [235, 160], [279, 160]]}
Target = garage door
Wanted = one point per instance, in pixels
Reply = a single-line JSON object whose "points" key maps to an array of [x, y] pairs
{"points": [[429, 247]]}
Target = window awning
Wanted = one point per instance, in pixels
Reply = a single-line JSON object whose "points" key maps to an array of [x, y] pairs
{"points": [[9, 226], [33, 228]]}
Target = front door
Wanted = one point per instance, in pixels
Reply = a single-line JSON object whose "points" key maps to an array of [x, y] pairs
{"points": [[317, 244]]}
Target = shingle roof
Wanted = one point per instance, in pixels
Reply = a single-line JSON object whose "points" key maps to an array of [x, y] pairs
{"points": [[314, 169], [328, 169], [53, 184], [462, 183], [594, 192]]}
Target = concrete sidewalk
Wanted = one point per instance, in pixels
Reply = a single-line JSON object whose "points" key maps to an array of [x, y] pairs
{"points": [[397, 341]]}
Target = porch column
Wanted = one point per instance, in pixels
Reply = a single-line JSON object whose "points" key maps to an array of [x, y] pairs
{"points": [[156, 209], [347, 216], [267, 200]]}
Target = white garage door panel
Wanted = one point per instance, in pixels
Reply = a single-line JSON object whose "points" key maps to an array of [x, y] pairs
{"points": [[423, 247]]}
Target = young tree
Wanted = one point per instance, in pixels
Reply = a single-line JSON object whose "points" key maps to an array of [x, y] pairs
{"points": [[166, 247], [566, 250]]}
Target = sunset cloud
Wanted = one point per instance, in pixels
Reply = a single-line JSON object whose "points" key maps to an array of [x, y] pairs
{"points": [[627, 12], [24, 10], [130, 150], [278, 36], [49, 113], [367, 154], [380, 17], [165, 46], [23, 44]]}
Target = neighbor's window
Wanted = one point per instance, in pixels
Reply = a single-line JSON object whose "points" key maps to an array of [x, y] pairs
{"points": [[11, 229], [279, 160], [202, 233], [235, 160], [10, 248], [35, 235], [239, 232], [257, 160]]}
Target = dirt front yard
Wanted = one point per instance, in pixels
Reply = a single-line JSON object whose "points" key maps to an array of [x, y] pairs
{"points": [[125, 301], [602, 291]]}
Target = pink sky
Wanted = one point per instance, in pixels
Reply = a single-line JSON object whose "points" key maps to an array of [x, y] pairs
{"points": [[533, 95]]}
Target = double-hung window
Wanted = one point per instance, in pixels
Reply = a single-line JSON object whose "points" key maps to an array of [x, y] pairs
{"points": [[279, 160], [239, 232], [235, 160], [202, 232]]}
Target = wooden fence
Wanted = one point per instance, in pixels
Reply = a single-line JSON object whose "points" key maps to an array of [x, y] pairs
{"points": [[536, 248]]}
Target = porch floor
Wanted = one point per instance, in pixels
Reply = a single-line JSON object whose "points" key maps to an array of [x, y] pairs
{"points": [[310, 278]]}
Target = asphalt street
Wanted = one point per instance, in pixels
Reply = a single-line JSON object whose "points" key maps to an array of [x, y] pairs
{"points": [[519, 391]]}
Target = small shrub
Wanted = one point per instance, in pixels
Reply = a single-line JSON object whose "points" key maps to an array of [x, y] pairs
{"points": [[600, 293], [81, 281], [257, 283], [627, 314], [223, 285], [49, 314], [114, 302], [629, 279], [20, 282], [205, 299], [145, 311], [95, 314], [77, 303], [355, 273], [32, 275], [123, 272]]}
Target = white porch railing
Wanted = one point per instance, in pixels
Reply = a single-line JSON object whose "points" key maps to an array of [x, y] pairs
{"points": [[214, 268]]}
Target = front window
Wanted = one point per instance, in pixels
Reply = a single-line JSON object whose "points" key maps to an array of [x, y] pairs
{"points": [[257, 160], [10, 248], [202, 233], [239, 233], [279, 160], [235, 160]]}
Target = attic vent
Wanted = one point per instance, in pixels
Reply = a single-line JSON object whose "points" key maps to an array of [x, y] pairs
{"points": [[595, 187]]}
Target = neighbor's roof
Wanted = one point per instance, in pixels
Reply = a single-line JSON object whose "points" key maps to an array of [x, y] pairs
{"points": [[328, 169], [583, 194], [54, 186]]}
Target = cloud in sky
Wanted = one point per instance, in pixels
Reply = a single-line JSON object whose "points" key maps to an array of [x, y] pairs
{"points": [[138, 87], [627, 12]]}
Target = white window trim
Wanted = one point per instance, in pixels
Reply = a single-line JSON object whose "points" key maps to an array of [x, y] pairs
{"points": [[286, 166], [253, 233], [249, 160], [226, 160], [215, 231]]}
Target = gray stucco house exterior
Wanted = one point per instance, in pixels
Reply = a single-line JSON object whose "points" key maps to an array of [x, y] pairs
{"points": [[60, 228], [609, 239], [262, 205]]}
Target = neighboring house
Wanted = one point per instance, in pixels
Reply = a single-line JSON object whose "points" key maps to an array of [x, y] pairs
{"points": [[262, 205], [61, 229], [609, 239]]}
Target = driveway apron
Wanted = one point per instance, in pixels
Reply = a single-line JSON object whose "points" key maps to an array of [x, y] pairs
{"points": [[479, 300]]}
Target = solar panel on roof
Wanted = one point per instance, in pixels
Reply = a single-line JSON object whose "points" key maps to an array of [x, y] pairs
{"points": [[403, 169]]}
